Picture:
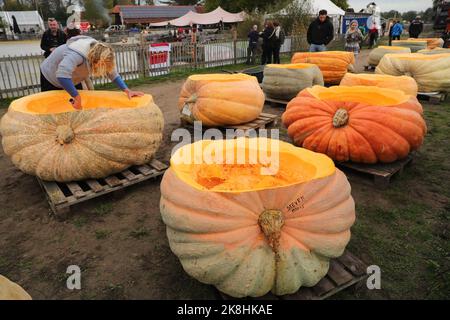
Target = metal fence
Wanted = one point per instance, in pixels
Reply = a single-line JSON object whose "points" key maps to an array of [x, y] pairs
{"points": [[20, 75]]}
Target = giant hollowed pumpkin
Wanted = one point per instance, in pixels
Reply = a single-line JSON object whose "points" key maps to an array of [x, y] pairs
{"points": [[361, 124], [285, 81], [414, 44], [249, 232], [404, 83], [376, 54], [45, 136], [11, 291], [431, 42], [221, 99], [431, 72], [333, 64], [434, 51]]}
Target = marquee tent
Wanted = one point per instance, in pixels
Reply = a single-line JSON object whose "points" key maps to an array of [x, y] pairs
{"points": [[212, 17]]}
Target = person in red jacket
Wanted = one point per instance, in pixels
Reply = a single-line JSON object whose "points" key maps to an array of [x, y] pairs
{"points": [[373, 35]]}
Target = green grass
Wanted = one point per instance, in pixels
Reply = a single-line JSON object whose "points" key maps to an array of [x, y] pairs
{"points": [[103, 209], [102, 234], [405, 228], [139, 233]]}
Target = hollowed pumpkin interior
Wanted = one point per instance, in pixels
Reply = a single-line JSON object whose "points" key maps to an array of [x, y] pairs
{"points": [[362, 94], [291, 66], [218, 77], [243, 164], [51, 102], [393, 48], [420, 56]]}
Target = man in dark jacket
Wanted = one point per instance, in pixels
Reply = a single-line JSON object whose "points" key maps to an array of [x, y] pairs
{"points": [[52, 38], [415, 28], [320, 32], [253, 37]]}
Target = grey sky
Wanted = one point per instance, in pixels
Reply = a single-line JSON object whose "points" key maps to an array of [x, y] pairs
{"points": [[399, 5]]}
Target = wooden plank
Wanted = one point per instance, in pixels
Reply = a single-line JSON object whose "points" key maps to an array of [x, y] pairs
{"points": [[303, 294], [94, 185], [338, 274], [54, 193], [113, 181], [325, 285], [353, 264], [158, 165], [144, 169], [129, 175], [267, 296], [75, 189]]}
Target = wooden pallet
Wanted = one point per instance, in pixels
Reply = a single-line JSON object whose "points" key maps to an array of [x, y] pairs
{"points": [[62, 196], [276, 103], [432, 97], [344, 272], [263, 120], [370, 68], [380, 172]]}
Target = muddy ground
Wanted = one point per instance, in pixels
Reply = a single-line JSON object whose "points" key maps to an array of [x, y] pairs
{"points": [[120, 244]]}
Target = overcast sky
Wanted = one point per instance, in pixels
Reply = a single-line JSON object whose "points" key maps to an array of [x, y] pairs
{"points": [[399, 5]]}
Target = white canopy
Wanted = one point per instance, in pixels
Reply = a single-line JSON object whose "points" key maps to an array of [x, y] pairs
{"points": [[212, 17], [24, 18], [332, 9]]}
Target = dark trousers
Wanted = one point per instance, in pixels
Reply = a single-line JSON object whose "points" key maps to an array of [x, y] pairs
{"points": [[276, 54], [372, 39], [395, 37], [266, 55], [47, 86], [251, 55], [413, 35]]}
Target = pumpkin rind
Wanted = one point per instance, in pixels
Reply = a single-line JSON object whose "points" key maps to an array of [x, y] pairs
{"points": [[431, 42], [333, 64], [222, 99], [286, 81], [434, 51], [77, 145], [375, 131], [404, 83], [12, 291], [227, 239], [376, 54], [414, 45], [430, 71]]}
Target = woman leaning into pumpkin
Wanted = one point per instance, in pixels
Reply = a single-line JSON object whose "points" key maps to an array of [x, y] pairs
{"points": [[74, 62]]}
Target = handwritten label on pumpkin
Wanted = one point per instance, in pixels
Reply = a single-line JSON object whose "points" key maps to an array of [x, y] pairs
{"points": [[297, 204]]}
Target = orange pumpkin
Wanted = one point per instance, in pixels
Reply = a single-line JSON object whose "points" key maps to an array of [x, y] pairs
{"points": [[431, 42], [361, 124], [249, 233], [404, 83], [333, 64]]}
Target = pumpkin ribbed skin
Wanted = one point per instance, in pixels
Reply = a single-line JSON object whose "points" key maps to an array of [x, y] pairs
{"points": [[225, 238], [404, 83], [434, 51], [285, 81], [431, 42], [376, 54], [414, 45], [333, 64], [222, 99], [44, 136], [11, 291], [430, 71], [380, 125]]}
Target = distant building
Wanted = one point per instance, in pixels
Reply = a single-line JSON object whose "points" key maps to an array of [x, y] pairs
{"points": [[130, 15], [27, 20]]}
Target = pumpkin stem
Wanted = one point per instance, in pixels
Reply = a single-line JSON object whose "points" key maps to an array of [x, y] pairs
{"points": [[340, 118], [192, 99], [271, 222], [64, 134]]}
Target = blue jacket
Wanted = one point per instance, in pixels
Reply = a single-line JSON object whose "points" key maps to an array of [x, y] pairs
{"points": [[397, 29]]}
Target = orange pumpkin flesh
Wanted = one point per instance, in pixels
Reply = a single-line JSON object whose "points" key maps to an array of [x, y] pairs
{"points": [[361, 124], [248, 233], [404, 83]]}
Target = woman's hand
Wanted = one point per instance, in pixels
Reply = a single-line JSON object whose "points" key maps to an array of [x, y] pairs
{"points": [[132, 94], [76, 102]]}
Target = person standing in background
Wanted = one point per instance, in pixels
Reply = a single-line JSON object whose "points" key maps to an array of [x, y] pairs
{"points": [[320, 32], [362, 29], [373, 35], [277, 42], [415, 27], [253, 37], [267, 34], [52, 38], [353, 37], [397, 30]]}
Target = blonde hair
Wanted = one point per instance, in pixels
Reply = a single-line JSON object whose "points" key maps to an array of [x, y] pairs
{"points": [[101, 59]]}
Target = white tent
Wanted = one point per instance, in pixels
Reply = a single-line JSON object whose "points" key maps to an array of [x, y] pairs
{"points": [[212, 17], [25, 19], [332, 9]]}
